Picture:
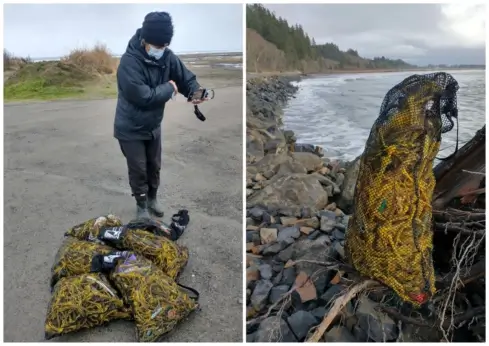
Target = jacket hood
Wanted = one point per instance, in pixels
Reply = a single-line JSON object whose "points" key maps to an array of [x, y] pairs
{"points": [[135, 49]]}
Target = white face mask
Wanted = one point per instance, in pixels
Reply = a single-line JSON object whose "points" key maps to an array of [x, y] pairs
{"points": [[156, 53]]}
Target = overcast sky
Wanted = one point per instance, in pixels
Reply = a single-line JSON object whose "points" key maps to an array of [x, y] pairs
{"points": [[52, 30], [418, 33]]}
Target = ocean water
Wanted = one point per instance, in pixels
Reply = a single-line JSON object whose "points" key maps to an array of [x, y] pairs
{"points": [[337, 111]]}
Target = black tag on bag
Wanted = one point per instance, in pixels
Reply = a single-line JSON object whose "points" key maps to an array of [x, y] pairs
{"points": [[105, 263], [113, 235]]}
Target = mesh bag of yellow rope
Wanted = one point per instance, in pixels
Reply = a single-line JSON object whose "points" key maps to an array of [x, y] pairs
{"points": [[146, 237], [81, 302], [90, 229], [74, 257], [389, 236], [158, 302]]}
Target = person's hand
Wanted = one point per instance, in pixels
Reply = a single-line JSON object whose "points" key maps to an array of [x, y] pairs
{"points": [[198, 101], [175, 88]]}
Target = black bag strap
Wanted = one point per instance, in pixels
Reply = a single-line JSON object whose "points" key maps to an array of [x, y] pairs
{"points": [[198, 113], [194, 291]]}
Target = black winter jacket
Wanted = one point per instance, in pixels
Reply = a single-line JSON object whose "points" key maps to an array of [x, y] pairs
{"points": [[143, 90]]}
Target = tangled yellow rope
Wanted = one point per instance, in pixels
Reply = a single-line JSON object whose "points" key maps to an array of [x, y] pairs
{"points": [[389, 236], [158, 302], [81, 302]]}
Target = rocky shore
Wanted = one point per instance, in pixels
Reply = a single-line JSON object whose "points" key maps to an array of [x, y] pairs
{"points": [[297, 205]]}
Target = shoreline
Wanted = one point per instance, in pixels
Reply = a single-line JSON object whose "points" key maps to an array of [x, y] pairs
{"points": [[251, 75]]}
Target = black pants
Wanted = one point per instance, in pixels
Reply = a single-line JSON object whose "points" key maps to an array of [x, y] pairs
{"points": [[143, 163]]}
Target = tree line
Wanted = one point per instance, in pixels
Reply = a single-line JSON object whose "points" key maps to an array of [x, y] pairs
{"points": [[301, 51]]}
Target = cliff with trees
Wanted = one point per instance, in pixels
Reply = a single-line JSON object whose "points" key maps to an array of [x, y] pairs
{"points": [[274, 45]]}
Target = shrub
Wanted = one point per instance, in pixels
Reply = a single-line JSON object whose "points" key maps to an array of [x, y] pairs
{"points": [[97, 59]]}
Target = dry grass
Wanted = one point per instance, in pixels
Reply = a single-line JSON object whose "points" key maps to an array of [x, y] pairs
{"points": [[74, 75], [12, 62], [88, 73], [95, 60]]}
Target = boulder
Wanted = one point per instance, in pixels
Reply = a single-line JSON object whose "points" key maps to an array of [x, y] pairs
{"points": [[310, 161], [291, 193], [345, 202]]}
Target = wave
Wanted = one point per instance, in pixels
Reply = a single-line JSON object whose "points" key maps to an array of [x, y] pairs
{"points": [[337, 111]]}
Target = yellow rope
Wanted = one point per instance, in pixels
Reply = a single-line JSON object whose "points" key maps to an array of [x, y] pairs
{"points": [[389, 236]]}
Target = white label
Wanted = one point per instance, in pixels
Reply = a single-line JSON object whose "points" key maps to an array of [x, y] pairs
{"points": [[113, 233]]}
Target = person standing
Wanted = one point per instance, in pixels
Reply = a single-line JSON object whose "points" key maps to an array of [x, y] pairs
{"points": [[148, 76]]}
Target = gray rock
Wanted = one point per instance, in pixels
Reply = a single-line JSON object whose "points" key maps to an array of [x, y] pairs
{"points": [[325, 181], [277, 266], [286, 254], [288, 276], [339, 334], [273, 249], [251, 337], [308, 160], [340, 179], [250, 221], [339, 248], [360, 334], [303, 148], [289, 167], [277, 279], [249, 236], [291, 192], [265, 271], [256, 239], [378, 325], [319, 313], [328, 220], [289, 232], [332, 293], [266, 218], [254, 144], [306, 213], [275, 146], [314, 235], [316, 250], [260, 294], [321, 282], [274, 329], [337, 234], [329, 190], [249, 192], [277, 292], [288, 241], [341, 227], [270, 162], [256, 213], [300, 322], [345, 202]]}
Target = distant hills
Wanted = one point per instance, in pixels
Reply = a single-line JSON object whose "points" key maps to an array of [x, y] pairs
{"points": [[275, 45]]}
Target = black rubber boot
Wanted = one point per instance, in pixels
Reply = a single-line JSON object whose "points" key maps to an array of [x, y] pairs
{"points": [[142, 207], [153, 204]]}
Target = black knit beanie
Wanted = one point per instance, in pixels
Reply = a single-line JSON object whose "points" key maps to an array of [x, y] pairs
{"points": [[157, 28]]}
